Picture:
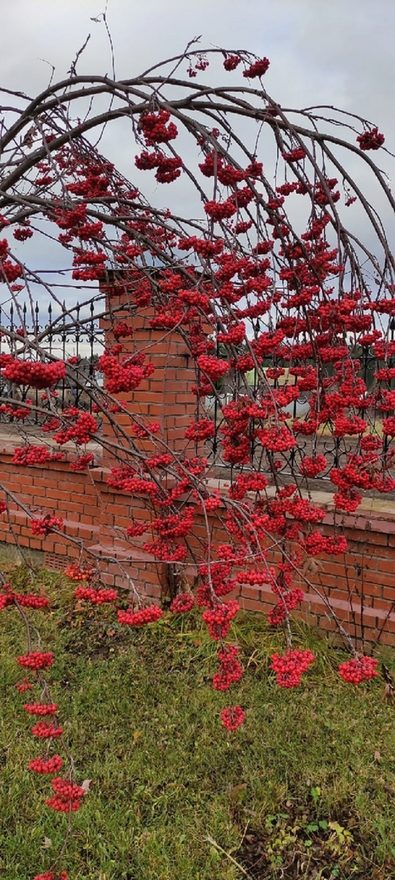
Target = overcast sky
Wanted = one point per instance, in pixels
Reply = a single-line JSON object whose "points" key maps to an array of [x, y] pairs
{"points": [[322, 51], [338, 51]]}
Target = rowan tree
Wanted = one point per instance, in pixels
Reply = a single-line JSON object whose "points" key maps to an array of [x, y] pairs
{"points": [[257, 246]]}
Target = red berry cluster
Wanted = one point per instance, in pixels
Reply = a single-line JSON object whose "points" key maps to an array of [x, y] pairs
{"points": [[257, 68], [247, 483], [79, 573], [156, 127], [93, 260], [276, 438], [371, 140], [5, 600], [82, 462], [231, 62], [347, 501], [174, 525], [122, 330], [26, 600], [80, 430], [315, 543], [96, 597], [304, 510], [218, 211], [289, 667], [68, 796], [36, 660], [46, 731], [213, 502], [52, 875], [141, 617], [34, 373], [352, 425], [182, 603], [146, 161], [214, 367], [46, 765], [389, 426], [159, 461], [140, 485], [41, 708], [294, 156], [202, 246], [230, 671], [288, 601], [46, 524], [29, 455], [167, 168], [10, 271], [232, 717], [313, 466], [254, 577], [359, 669], [202, 429], [123, 376], [219, 619], [201, 64], [136, 529]]}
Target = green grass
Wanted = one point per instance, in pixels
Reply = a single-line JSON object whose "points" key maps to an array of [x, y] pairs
{"points": [[305, 789]]}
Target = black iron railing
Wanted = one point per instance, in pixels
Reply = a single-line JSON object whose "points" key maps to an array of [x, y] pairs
{"points": [[53, 332], [336, 450]]}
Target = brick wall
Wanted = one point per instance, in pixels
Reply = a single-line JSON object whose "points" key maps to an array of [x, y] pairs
{"points": [[360, 587]]}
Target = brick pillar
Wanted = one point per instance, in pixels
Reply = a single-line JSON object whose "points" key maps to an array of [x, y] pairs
{"points": [[166, 396]]}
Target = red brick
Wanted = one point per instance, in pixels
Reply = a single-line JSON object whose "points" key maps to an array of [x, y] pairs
{"points": [[250, 604]]}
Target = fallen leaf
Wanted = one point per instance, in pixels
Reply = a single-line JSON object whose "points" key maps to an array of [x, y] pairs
{"points": [[86, 785]]}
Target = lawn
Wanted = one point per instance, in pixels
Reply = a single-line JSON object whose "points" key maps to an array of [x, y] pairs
{"points": [[305, 789]]}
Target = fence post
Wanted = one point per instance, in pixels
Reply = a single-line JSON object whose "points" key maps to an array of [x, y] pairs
{"points": [[166, 397]]}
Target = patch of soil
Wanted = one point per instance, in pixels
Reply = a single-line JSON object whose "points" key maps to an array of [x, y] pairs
{"points": [[295, 845]]}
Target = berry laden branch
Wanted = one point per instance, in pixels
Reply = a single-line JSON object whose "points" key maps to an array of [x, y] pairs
{"points": [[257, 253]]}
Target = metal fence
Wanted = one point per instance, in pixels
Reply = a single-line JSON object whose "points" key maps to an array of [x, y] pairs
{"points": [[59, 333], [336, 450], [77, 332]]}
